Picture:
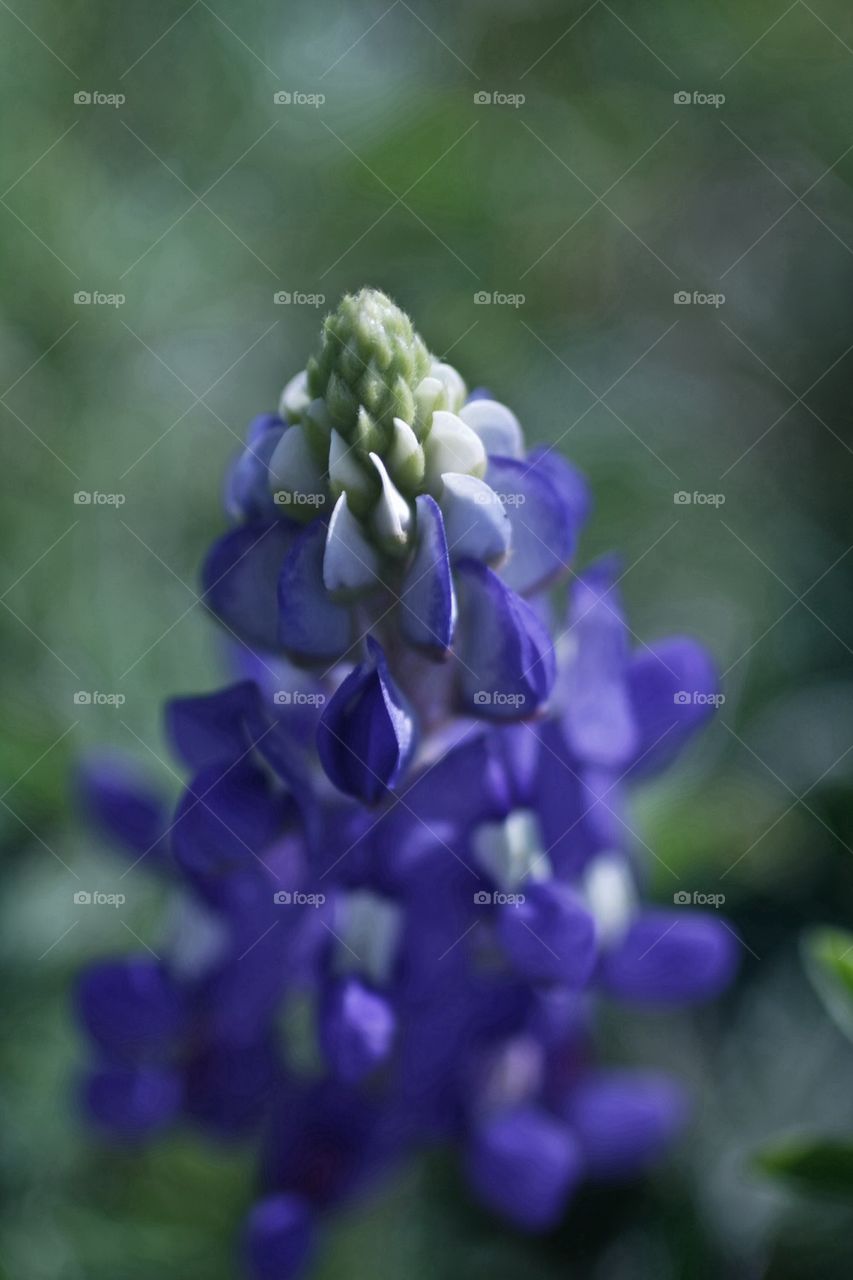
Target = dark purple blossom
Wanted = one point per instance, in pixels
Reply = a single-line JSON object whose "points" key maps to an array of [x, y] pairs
{"points": [[424, 905]]}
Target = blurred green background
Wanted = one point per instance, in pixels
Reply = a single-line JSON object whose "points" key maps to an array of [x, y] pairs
{"points": [[590, 204]]}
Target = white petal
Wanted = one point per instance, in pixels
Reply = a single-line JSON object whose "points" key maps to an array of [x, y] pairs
{"points": [[392, 516], [349, 561], [406, 457], [511, 851], [295, 476], [345, 472], [611, 895], [369, 928], [496, 425], [295, 398], [453, 384], [429, 393], [451, 446], [475, 520]]}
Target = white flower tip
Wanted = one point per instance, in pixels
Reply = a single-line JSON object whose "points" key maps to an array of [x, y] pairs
{"points": [[349, 562], [392, 515], [452, 446]]}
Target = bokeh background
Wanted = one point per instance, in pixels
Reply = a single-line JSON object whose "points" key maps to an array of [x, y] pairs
{"points": [[579, 212]]}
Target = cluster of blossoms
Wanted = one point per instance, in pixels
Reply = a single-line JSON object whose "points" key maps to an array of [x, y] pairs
{"points": [[401, 871]]}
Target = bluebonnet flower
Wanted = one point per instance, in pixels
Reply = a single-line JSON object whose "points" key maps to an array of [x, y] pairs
{"points": [[383, 500], [401, 867]]}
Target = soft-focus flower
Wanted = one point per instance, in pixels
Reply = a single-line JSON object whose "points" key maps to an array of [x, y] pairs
{"points": [[524, 1164], [401, 872], [279, 1237]]}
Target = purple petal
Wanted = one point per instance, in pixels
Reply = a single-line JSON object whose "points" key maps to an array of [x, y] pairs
{"points": [[671, 957], [279, 1237], [428, 608], [133, 1102], [324, 1140], [523, 1165], [674, 689], [224, 824], [577, 807], [212, 727], [229, 1087], [543, 531], [132, 1009], [624, 1120], [599, 719], [260, 425], [366, 734], [569, 483], [550, 935], [248, 495], [356, 1029], [310, 625], [119, 801], [239, 579], [506, 656]]}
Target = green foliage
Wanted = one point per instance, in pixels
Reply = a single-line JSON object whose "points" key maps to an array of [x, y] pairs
{"points": [[828, 957], [820, 1165]]}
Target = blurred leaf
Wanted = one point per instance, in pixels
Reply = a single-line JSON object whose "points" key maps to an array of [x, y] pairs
{"points": [[828, 957], [820, 1165]]}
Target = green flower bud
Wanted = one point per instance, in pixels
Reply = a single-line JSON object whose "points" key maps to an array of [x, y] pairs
{"points": [[376, 425], [367, 369]]}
